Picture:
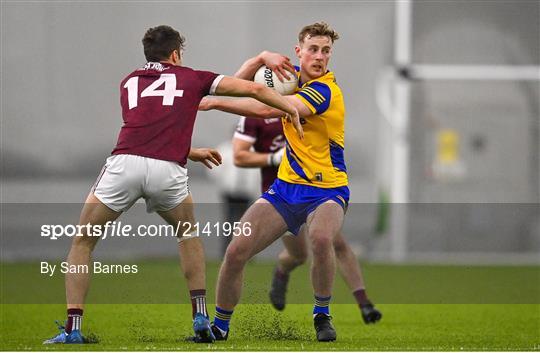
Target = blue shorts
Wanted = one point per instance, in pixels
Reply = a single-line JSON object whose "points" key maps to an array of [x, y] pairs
{"points": [[295, 202]]}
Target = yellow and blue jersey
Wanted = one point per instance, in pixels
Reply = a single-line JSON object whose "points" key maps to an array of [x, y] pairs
{"points": [[318, 160]]}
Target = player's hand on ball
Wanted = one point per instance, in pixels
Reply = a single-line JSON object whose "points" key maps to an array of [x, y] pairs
{"points": [[279, 64], [206, 156]]}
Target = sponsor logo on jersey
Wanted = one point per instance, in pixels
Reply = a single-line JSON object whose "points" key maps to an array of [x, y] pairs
{"points": [[271, 120]]}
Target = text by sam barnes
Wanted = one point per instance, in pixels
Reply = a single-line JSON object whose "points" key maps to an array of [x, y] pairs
{"points": [[96, 267]]}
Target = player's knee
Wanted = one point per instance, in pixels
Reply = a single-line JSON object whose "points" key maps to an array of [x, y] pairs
{"points": [[236, 255], [296, 253], [321, 243], [340, 246], [300, 257]]}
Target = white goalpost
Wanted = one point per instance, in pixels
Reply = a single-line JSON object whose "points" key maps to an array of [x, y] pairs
{"points": [[394, 101]]}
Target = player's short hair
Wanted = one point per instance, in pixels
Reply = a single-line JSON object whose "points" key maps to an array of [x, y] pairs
{"points": [[159, 42], [318, 29]]}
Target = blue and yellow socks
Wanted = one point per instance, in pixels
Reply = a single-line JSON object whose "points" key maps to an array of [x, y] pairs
{"points": [[222, 319], [322, 305]]}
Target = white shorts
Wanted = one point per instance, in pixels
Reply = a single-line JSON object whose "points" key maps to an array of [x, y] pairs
{"points": [[125, 178]]}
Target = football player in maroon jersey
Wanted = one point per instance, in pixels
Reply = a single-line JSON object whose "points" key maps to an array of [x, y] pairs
{"points": [[159, 105], [259, 143]]}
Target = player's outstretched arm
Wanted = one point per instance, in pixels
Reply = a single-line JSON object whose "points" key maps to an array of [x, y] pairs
{"points": [[278, 63], [241, 106], [230, 86], [251, 107], [206, 156]]}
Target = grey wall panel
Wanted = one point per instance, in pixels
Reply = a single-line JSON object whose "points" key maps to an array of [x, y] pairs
{"points": [[63, 63]]}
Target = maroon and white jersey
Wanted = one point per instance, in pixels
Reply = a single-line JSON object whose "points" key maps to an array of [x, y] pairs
{"points": [[267, 137], [159, 105]]}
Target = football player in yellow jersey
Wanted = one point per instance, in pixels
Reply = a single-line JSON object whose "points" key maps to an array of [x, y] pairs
{"points": [[259, 143], [311, 189]]}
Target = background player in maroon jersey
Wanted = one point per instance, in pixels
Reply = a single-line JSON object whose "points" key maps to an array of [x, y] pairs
{"points": [[159, 105], [259, 143]]}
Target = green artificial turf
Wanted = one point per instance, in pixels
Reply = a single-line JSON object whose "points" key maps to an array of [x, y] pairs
{"points": [[425, 308]]}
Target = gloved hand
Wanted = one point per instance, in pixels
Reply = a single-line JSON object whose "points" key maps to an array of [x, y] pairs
{"points": [[274, 159]]}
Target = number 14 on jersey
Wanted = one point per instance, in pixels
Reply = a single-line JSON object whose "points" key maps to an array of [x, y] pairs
{"points": [[169, 91]]}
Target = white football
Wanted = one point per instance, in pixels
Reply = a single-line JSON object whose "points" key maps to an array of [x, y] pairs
{"points": [[267, 77]]}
